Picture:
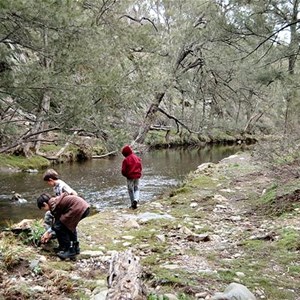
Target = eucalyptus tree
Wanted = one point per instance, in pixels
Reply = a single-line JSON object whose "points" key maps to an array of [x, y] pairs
{"points": [[113, 67], [68, 65], [155, 36], [196, 74], [36, 37], [58, 72], [274, 25], [222, 62], [134, 51]]}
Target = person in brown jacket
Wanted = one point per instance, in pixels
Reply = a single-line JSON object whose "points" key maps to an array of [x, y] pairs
{"points": [[67, 210]]}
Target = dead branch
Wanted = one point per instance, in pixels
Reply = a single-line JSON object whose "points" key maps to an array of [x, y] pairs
{"points": [[25, 138], [178, 122], [61, 151], [257, 117], [158, 127], [149, 118], [140, 20], [105, 155]]}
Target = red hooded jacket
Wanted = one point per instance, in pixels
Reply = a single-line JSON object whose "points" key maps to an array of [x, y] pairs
{"points": [[131, 165]]}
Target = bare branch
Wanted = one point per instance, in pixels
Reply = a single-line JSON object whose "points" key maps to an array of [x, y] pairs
{"points": [[270, 36], [25, 137], [178, 122], [140, 20]]}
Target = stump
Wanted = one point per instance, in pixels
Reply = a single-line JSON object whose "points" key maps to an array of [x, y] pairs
{"points": [[124, 280]]}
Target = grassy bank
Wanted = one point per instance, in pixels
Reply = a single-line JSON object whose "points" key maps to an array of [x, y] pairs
{"points": [[15, 163], [85, 148]]}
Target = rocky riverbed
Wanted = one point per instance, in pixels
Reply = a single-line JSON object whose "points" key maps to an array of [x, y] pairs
{"points": [[235, 221]]}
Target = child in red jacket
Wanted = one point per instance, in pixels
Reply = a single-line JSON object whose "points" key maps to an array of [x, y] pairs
{"points": [[132, 170]]}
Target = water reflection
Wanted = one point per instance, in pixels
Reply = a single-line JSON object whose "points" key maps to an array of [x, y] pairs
{"points": [[101, 183]]}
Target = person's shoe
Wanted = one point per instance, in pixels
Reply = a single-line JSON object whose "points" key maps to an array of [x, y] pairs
{"points": [[76, 247], [71, 253], [58, 249], [134, 204]]}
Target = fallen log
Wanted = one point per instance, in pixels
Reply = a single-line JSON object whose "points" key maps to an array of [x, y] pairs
{"points": [[124, 280], [105, 155]]}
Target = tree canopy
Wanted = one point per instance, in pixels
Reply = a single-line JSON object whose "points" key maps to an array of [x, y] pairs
{"points": [[112, 69]]}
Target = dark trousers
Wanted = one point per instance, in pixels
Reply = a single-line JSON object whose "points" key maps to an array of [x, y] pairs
{"points": [[64, 235]]}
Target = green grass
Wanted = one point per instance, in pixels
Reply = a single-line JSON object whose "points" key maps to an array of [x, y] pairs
{"points": [[202, 182], [50, 148], [270, 194], [289, 240], [259, 257], [23, 163], [171, 278]]}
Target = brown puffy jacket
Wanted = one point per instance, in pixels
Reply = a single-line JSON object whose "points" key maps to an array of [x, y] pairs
{"points": [[68, 209]]}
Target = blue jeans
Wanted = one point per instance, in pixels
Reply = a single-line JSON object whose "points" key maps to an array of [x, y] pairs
{"points": [[133, 190]]}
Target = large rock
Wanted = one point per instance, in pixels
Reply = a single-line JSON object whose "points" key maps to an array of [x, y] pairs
{"points": [[24, 225], [235, 291]]}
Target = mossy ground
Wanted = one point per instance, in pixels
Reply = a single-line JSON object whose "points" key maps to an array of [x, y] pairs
{"points": [[22, 163], [163, 138], [84, 149]]}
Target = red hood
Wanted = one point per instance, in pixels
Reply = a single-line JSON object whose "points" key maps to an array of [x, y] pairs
{"points": [[126, 151]]}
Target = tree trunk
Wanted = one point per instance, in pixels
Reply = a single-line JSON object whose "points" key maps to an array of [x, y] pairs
{"points": [[38, 126], [149, 119], [40, 123], [294, 48]]}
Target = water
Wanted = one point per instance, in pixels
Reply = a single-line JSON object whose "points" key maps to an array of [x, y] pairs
{"points": [[100, 182]]}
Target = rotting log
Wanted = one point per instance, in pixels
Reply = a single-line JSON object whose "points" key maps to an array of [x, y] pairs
{"points": [[124, 280]]}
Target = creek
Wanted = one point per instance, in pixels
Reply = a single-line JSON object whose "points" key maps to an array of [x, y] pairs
{"points": [[100, 182]]}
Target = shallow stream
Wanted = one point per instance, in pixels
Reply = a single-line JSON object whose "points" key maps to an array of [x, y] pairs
{"points": [[100, 182]]}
